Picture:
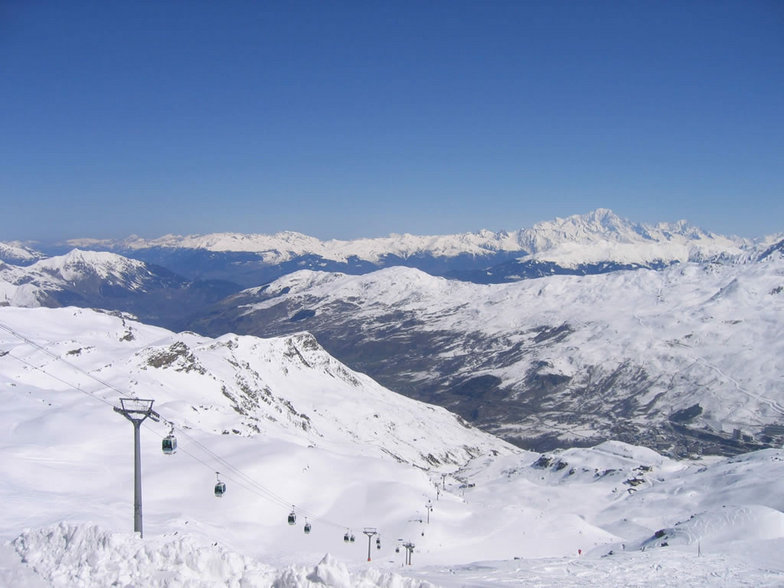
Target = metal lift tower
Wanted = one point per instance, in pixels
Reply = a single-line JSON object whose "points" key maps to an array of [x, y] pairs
{"points": [[136, 411], [369, 531]]}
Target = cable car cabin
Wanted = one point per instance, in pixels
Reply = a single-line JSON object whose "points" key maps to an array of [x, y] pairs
{"points": [[307, 528], [346, 537], [220, 489], [292, 518], [169, 444], [378, 542], [352, 538]]}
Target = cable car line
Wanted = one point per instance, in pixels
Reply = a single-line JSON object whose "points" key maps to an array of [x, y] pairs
{"points": [[252, 485], [269, 494], [244, 481], [69, 384], [257, 487], [249, 483], [75, 367]]}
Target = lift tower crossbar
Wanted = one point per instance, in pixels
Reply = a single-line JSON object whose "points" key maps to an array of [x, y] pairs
{"points": [[136, 411]]}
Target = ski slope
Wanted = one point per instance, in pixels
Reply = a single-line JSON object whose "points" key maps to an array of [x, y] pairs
{"points": [[363, 458]]}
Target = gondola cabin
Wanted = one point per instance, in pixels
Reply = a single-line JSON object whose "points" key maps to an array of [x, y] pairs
{"points": [[307, 527], [169, 444], [292, 518], [346, 537], [220, 487]]}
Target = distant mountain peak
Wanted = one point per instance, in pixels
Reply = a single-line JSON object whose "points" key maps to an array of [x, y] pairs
{"points": [[104, 264], [82, 278], [603, 236], [18, 253]]}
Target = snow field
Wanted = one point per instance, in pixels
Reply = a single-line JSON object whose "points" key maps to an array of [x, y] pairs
{"points": [[67, 482]]}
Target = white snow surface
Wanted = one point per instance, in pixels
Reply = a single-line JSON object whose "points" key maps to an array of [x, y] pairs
{"points": [[707, 333], [603, 236], [73, 264], [579, 239], [15, 251], [29, 286], [286, 245], [285, 424]]}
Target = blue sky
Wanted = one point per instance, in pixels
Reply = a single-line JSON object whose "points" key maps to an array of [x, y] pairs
{"points": [[352, 119]]}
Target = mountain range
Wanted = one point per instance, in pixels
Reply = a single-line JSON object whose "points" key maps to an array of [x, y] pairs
{"points": [[599, 241], [616, 338], [96, 279]]}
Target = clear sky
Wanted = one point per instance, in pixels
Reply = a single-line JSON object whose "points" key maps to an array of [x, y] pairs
{"points": [[352, 119]]}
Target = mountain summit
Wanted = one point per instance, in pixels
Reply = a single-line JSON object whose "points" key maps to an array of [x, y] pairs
{"points": [[602, 236]]}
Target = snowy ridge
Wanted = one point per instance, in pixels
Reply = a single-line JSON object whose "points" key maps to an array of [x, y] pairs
{"points": [[603, 236], [597, 352], [18, 253], [580, 239], [287, 245], [34, 285], [400, 286], [106, 266], [250, 386]]}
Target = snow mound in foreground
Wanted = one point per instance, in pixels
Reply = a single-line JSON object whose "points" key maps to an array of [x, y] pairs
{"points": [[87, 555]]}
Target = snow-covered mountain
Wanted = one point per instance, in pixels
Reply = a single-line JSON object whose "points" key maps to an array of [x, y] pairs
{"points": [[19, 254], [602, 242], [109, 281], [685, 359], [596, 242], [285, 424], [602, 236], [239, 385], [579, 239], [288, 245], [79, 274]]}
